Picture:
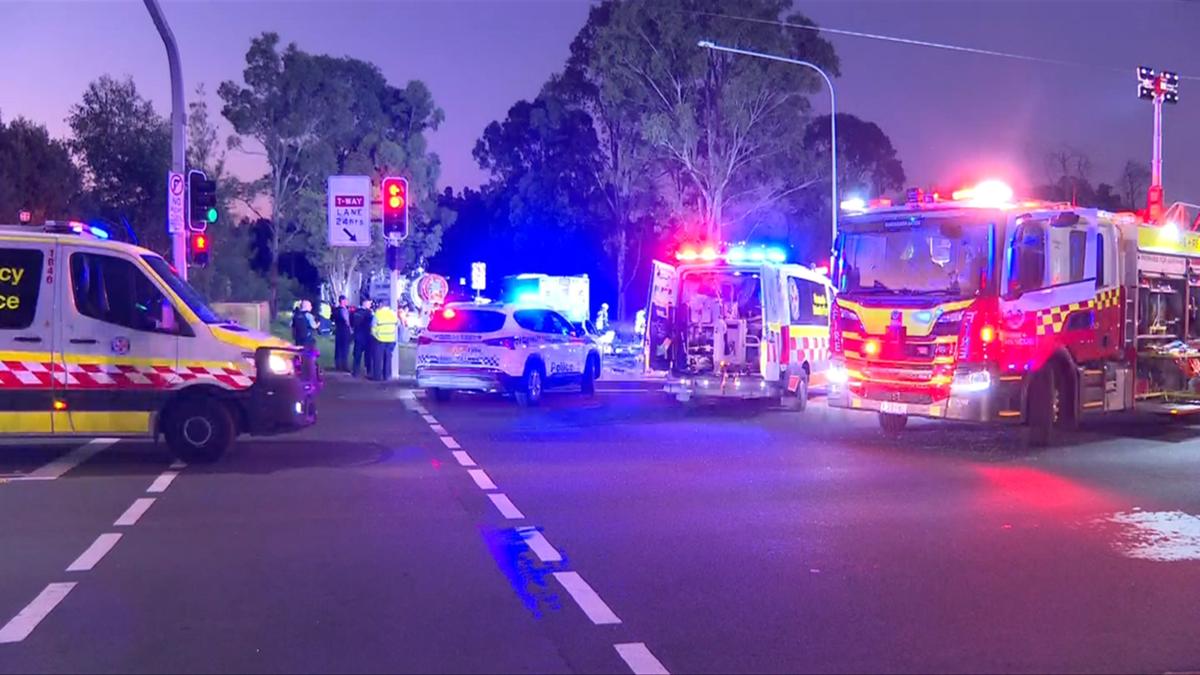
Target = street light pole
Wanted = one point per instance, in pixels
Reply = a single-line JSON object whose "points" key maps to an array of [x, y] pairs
{"points": [[833, 194], [178, 128]]}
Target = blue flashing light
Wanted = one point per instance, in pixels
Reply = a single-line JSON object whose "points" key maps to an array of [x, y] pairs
{"points": [[98, 232], [736, 254], [758, 255], [528, 299], [776, 255]]}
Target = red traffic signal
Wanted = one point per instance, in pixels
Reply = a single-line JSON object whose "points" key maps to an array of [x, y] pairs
{"points": [[198, 246], [394, 191]]}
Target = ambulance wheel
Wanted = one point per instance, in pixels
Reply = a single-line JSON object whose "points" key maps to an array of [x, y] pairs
{"points": [[796, 401], [532, 386], [199, 429], [587, 381], [892, 424]]}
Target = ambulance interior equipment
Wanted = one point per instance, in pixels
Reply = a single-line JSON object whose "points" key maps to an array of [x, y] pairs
{"points": [[723, 327]]}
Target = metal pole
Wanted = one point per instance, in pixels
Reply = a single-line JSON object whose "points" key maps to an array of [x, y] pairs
{"points": [[833, 192], [178, 126], [394, 302], [1156, 160]]}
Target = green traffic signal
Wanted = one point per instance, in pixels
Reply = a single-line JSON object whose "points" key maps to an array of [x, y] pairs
{"points": [[211, 215]]}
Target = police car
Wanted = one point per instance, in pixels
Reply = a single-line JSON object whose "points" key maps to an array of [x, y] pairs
{"points": [[102, 338], [515, 349]]}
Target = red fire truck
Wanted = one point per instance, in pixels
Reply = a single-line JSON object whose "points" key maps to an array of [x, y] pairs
{"points": [[990, 309]]}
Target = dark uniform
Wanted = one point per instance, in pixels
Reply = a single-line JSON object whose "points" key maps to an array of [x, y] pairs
{"points": [[341, 336], [360, 325]]}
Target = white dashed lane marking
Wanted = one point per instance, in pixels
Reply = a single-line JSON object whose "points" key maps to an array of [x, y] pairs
{"points": [[587, 599], [481, 479], [94, 553], [439, 430], [449, 442], [639, 659], [135, 511], [505, 506], [58, 467], [429, 419], [20, 626], [537, 543], [463, 458], [163, 481]]}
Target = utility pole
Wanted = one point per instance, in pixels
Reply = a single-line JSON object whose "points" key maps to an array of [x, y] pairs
{"points": [[1158, 88], [178, 231], [833, 193]]}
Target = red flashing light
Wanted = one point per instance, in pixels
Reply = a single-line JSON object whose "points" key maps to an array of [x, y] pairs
{"points": [[448, 313], [871, 347], [395, 207], [709, 253]]}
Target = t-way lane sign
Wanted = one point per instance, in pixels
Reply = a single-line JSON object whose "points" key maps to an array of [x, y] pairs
{"points": [[349, 208]]}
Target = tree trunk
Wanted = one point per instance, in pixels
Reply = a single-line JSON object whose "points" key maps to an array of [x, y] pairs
{"points": [[622, 246]]}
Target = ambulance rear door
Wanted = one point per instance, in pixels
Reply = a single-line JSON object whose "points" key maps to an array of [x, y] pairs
{"points": [[120, 343], [27, 340], [660, 316]]}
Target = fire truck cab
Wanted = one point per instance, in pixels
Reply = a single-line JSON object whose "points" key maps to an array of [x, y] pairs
{"points": [[738, 324], [988, 309]]}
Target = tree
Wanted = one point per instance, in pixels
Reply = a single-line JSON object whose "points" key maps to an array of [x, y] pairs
{"points": [[1133, 184], [36, 173], [867, 161], [124, 147], [1068, 169], [230, 275], [725, 127]]}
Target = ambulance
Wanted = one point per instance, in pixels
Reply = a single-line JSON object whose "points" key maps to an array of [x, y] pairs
{"points": [[738, 323], [101, 338]]}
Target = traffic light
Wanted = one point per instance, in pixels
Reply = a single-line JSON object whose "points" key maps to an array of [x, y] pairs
{"points": [[198, 246], [394, 191], [202, 201]]}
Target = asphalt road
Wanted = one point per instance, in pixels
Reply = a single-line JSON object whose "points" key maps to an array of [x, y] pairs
{"points": [[621, 533]]}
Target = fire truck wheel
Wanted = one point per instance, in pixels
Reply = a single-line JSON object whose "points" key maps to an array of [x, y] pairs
{"points": [[530, 393], [1045, 408], [892, 424], [199, 429]]}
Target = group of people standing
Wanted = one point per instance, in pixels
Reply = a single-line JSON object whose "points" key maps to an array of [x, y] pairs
{"points": [[373, 333]]}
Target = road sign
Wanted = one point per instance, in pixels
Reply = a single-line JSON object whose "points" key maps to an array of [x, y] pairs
{"points": [[349, 210], [176, 202], [478, 276]]}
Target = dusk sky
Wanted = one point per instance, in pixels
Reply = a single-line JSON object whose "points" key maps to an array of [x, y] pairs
{"points": [[952, 116]]}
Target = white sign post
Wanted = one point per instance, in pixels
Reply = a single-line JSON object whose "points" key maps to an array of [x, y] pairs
{"points": [[478, 276], [176, 202], [349, 210]]}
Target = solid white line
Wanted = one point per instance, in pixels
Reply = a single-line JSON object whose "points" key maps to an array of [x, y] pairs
{"points": [[20, 626], [136, 510], [537, 543], [505, 506], [99, 548], [481, 479], [463, 458], [586, 598], [429, 419], [449, 442], [178, 464], [439, 430], [161, 483], [640, 660], [70, 460]]}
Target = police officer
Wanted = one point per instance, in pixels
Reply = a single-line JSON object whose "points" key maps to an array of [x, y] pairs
{"points": [[360, 325], [385, 329], [304, 325], [341, 335]]}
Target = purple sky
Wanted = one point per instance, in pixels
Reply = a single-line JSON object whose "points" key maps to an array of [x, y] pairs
{"points": [[952, 116]]}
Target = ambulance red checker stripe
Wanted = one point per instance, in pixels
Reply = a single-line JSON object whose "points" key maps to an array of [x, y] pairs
{"points": [[40, 374]]}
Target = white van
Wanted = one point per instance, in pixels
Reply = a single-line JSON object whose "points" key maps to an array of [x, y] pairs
{"points": [[738, 326], [102, 338]]}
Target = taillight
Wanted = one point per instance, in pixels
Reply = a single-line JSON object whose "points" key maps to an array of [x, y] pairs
{"points": [[506, 342]]}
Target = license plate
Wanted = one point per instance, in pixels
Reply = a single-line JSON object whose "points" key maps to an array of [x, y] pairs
{"points": [[893, 408]]}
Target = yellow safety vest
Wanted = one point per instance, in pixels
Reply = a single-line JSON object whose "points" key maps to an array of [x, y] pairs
{"points": [[326, 311], [386, 325]]}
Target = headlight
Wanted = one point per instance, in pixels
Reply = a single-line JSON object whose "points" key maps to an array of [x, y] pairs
{"points": [[837, 375], [971, 382], [279, 364]]}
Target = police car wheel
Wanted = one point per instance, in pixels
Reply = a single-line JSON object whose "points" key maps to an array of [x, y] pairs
{"points": [[591, 371], [530, 393], [199, 430], [441, 395]]}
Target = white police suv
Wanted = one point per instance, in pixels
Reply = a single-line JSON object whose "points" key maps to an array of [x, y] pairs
{"points": [[498, 348]]}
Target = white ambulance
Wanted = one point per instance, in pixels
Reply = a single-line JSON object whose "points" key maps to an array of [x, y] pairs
{"points": [[738, 324], [101, 338]]}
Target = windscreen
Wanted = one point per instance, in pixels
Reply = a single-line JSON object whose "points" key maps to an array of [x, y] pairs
{"points": [[915, 256], [190, 296], [466, 321]]}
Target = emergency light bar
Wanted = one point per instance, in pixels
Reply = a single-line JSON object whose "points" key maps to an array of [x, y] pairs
{"points": [[736, 254]]}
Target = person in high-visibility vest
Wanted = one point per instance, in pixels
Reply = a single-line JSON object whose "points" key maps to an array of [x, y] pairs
{"points": [[384, 329]]}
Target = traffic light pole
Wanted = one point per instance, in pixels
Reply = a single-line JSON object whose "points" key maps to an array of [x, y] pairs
{"points": [[178, 127]]}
